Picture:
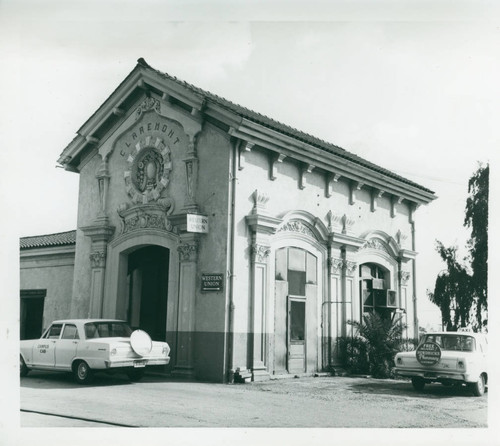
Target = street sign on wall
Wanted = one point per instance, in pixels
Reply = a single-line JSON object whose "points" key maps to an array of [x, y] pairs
{"points": [[197, 223], [212, 282]]}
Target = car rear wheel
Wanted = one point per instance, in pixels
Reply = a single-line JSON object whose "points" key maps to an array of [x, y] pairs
{"points": [[135, 374], [82, 372], [418, 383], [23, 368], [478, 387]]}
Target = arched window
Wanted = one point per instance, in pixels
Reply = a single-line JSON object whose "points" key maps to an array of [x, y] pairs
{"points": [[375, 292]]}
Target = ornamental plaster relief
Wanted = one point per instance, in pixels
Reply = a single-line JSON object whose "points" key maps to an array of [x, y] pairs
{"points": [[188, 252], [375, 243], [98, 259], [338, 264], [145, 217], [147, 105], [404, 277], [340, 223], [260, 253], [298, 227]]}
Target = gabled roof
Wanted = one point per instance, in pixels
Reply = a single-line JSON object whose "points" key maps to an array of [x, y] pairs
{"points": [[233, 116], [44, 241]]}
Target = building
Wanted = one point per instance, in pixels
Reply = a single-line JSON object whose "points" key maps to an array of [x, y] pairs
{"points": [[244, 243]]}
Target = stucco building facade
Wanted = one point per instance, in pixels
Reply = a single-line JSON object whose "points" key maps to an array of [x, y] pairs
{"points": [[244, 243]]}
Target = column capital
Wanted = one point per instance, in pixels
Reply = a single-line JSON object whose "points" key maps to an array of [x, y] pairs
{"points": [[188, 251], [98, 259], [259, 253]]}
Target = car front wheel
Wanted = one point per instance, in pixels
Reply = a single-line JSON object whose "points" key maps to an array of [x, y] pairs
{"points": [[478, 387], [23, 368], [418, 383], [82, 372]]}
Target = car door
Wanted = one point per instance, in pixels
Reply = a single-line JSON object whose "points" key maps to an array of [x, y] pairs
{"points": [[66, 347], [44, 349]]}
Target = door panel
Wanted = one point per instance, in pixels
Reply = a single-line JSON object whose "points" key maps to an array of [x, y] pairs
{"points": [[312, 328], [66, 347], [280, 327], [44, 351], [296, 335]]}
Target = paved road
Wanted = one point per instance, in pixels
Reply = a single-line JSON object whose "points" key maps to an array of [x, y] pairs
{"points": [[305, 402]]}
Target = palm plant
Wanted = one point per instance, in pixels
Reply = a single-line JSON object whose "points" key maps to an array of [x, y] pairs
{"points": [[383, 337]]}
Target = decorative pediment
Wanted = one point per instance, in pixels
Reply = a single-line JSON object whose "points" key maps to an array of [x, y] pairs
{"points": [[375, 243], [297, 226], [150, 216]]}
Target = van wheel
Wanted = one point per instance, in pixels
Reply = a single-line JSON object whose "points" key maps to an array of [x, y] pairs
{"points": [[23, 368], [82, 372], [418, 383], [135, 374], [478, 387]]}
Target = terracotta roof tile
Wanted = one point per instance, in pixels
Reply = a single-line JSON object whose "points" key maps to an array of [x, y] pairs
{"points": [[58, 239]]}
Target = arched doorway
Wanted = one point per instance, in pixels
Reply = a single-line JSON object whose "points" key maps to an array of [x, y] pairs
{"points": [[296, 310], [147, 277]]}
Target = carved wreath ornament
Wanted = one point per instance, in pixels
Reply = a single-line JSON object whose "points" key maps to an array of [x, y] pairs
{"points": [[149, 170]]}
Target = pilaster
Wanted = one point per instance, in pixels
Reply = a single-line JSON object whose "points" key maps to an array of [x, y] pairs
{"points": [[262, 226], [188, 256], [100, 233]]}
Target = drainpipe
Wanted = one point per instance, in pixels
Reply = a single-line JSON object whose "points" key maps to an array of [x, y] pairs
{"points": [[230, 313], [414, 274]]}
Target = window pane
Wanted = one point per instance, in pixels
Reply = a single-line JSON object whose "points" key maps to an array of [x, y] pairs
{"points": [[297, 320], [55, 331], [365, 271], [297, 283], [296, 259], [311, 269], [70, 332], [281, 267]]}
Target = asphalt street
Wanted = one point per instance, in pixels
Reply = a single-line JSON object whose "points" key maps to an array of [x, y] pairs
{"points": [[50, 399]]}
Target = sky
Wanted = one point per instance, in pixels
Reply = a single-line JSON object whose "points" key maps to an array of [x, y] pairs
{"points": [[410, 86], [417, 94]]}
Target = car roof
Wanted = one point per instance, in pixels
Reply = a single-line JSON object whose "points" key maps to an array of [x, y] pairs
{"points": [[84, 321], [461, 333]]}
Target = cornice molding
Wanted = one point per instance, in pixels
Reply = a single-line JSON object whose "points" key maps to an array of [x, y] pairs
{"points": [[145, 78]]}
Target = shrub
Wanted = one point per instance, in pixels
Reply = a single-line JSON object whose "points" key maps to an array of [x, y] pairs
{"points": [[382, 338], [354, 355]]}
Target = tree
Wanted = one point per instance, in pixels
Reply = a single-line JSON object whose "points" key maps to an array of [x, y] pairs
{"points": [[453, 290], [457, 292], [476, 218]]}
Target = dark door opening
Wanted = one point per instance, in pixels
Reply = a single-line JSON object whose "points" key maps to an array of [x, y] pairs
{"points": [[148, 290], [31, 313]]}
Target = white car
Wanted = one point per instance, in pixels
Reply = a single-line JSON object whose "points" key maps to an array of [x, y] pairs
{"points": [[83, 346], [448, 358]]}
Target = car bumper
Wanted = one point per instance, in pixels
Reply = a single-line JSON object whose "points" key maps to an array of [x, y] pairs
{"points": [[433, 375], [137, 363]]}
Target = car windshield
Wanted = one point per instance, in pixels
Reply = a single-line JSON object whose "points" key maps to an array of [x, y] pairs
{"points": [[453, 342], [107, 329]]}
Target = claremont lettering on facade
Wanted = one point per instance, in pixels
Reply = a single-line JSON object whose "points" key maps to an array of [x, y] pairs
{"points": [[303, 237]]}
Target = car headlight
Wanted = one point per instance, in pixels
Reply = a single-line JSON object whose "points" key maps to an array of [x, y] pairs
{"points": [[113, 352], [166, 350], [399, 361], [461, 364]]}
